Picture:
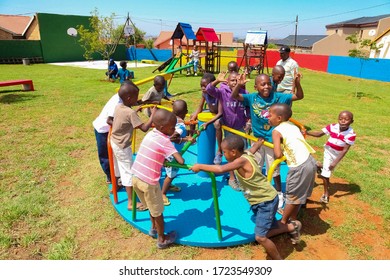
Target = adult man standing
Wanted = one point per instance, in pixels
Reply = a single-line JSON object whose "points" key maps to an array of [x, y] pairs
{"points": [[290, 66]]}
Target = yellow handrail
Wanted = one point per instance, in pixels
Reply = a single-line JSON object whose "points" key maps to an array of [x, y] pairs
{"points": [[268, 144]]}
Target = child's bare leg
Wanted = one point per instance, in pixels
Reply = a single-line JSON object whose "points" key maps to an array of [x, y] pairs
{"points": [[218, 135], [326, 186], [154, 225], [278, 183], [290, 211], [166, 185], [269, 246], [158, 222], [129, 191], [282, 228]]}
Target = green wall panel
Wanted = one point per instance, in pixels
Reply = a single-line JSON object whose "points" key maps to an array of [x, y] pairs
{"points": [[20, 48], [57, 45]]}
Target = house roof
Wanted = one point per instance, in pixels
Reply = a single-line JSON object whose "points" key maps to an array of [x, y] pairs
{"points": [[303, 41], [359, 22], [16, 25], [165, 36], [183, 29], [207, 35]]}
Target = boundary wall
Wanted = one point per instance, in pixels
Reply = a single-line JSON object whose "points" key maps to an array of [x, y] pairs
{"points": [[365, 68]]}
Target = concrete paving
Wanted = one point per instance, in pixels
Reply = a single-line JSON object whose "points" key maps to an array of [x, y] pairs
{"points": [[101, 64]]}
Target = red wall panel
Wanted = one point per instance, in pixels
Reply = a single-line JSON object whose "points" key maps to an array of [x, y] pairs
{"points": [[309, 61]]}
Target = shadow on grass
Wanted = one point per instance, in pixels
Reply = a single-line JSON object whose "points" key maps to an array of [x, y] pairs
{"points": [[340, 190], [14, 98], [285, 247], [361, 94], [185, 92]]}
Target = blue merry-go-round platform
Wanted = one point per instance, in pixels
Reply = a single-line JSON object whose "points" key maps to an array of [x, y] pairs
{"points": [[191, 213]]}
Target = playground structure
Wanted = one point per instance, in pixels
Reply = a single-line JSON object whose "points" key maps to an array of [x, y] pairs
{"points": [[207, 212], [208, 41], [205, 38], [182, 30], [255, 47], [253, 57]]}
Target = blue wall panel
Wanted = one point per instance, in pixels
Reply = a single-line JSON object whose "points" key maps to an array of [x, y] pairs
{"points": [[371, 68], [153, 54]]}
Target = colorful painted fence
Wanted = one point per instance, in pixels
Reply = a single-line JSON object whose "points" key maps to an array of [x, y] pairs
{"points": [[366, 68]]}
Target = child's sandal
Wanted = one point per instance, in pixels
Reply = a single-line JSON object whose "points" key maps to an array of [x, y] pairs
{"points": [[296, 234]]}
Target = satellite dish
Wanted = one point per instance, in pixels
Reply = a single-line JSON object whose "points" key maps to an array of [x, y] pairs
{"points": [[72, 32], [372, 32]]}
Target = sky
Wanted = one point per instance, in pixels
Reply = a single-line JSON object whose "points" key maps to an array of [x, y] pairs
{"points": [[277, 17]]}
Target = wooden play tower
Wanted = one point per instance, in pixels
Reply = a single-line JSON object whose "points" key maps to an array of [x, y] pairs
{"points": [[208, 40], [254, 55], [182, 30]]}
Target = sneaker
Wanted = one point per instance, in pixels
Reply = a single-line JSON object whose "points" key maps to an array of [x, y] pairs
{"points": [[153, 232], [195, 74], [296, 234], [324, 199], [281, 199], [218, 159], [188, 73], [235, 185], [169, 240]]}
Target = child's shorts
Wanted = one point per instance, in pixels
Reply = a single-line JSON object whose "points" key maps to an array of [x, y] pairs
{"points": [[150, 196], [171, 171], [123, 160], [300, 181], [330, 155], [266, 154], [265, 216]]}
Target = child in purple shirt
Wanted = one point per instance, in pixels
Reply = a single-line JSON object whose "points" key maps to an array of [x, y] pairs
{"points": [[233, 113]]}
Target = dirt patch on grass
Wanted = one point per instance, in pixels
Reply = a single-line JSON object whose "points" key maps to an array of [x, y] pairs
{"points": [[327, 232]]}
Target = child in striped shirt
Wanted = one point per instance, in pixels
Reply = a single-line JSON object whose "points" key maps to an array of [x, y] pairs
{"points": [[341, 138], [154, 149]]}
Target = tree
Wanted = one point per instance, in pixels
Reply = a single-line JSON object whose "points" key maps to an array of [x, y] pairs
{"points": [[362, 46], [136, 38], [101, 36], [149, 43], [362, 51]]}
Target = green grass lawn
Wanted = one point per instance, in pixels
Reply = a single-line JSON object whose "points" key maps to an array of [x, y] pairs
{"points": [[53, 194]]}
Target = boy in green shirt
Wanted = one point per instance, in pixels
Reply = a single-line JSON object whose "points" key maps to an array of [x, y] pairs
{"points": [[261, 195]]}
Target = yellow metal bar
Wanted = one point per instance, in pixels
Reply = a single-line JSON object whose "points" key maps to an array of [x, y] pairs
{"points": [[273, 166], [160, 107], [247, 136], [268, 144]]}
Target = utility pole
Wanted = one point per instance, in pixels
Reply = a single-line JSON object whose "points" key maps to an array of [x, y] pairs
{"points": [[296, 31]]}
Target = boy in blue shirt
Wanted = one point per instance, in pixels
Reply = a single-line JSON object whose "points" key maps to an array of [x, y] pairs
{"points": [[259, 103], [124, 74]]}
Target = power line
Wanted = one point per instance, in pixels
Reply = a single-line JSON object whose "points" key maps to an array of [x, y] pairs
{"points": [[347, 12]]}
